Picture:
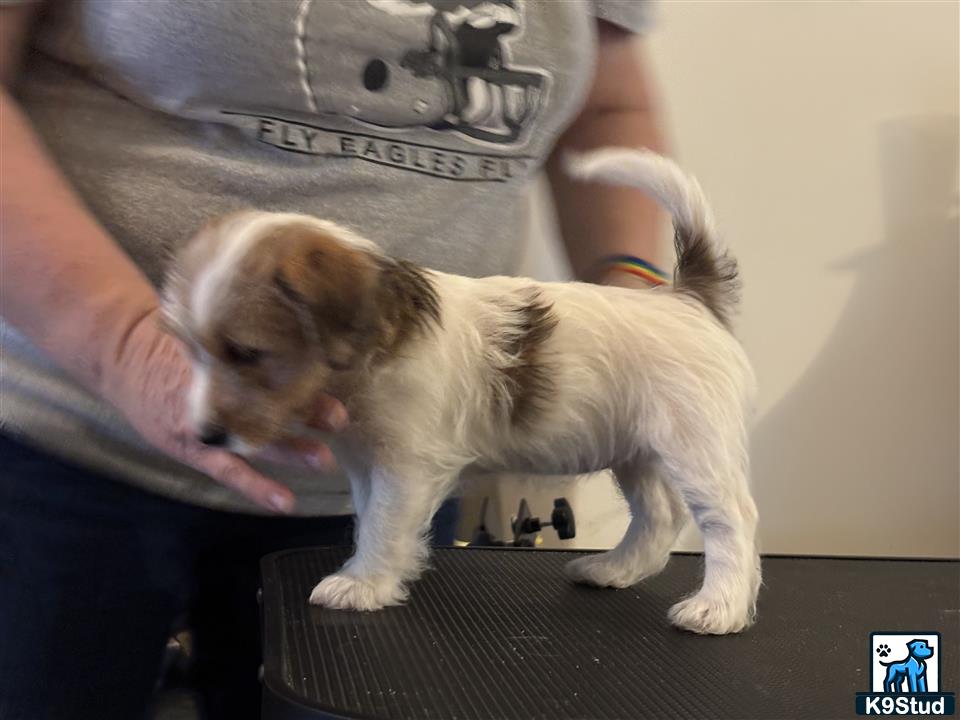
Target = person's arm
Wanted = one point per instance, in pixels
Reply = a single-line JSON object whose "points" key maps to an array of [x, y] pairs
{"points": [[69, 287], [63, 282], [598, 221]]}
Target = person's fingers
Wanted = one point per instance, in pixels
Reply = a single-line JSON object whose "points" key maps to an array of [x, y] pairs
{"points": [[309, 453], [235, 473], [329, 415]]}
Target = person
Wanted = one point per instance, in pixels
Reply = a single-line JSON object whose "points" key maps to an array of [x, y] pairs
{"points": [[126, 126]]}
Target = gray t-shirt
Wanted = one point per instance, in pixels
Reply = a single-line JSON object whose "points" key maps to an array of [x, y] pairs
{"points": [[419, 123]]}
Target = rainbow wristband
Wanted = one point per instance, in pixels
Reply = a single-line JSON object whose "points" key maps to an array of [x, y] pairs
{"points": [[636, 266]]}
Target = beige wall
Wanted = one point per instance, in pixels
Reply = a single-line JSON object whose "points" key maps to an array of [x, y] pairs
{"points": [[826, 134]]}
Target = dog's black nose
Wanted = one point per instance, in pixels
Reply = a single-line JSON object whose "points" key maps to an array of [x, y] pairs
{"points": [[213, 435]]}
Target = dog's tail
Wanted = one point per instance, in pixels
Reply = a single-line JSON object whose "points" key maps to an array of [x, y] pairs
{"points": [[704, 269]]}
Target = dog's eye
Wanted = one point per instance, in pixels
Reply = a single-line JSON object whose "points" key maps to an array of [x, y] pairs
{"points": [[241, 355]]}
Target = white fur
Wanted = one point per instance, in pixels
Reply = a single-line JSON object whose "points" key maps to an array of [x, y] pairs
{"points": [[656, 175], [198, 396], [212, 282], [647, 383]]}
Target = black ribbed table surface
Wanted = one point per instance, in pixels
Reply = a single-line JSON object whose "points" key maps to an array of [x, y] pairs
{"points": [[501, 634]]}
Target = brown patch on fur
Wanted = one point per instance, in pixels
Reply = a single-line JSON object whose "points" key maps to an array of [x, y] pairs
{"points": [[408, 304], [331, 287], [529, 379], [712, 279]]}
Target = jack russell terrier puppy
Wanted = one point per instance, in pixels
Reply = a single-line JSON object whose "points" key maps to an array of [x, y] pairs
{"points": [[440, 372]]}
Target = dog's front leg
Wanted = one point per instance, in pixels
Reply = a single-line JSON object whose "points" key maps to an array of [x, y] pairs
{"points": [[391, 540], [913, 680], [359, 494]]}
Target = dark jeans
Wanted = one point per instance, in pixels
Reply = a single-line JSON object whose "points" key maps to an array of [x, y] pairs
{"points": [[93, 573]]}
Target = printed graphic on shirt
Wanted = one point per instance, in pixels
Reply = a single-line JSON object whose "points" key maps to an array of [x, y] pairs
{"points": [[442, 162], [442, 68], [466, 53]]}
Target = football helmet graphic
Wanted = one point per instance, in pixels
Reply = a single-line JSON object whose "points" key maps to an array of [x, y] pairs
{"points": [[460, 79]]}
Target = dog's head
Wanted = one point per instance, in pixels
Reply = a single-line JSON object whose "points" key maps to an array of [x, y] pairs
{"points": [[273, 308], [920, 649]]}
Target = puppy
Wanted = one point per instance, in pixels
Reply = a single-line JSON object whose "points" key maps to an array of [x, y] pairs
{"points": [[441, 372]]}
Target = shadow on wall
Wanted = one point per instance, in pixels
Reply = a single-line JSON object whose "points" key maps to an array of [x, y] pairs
{"points": [[876, 414]]}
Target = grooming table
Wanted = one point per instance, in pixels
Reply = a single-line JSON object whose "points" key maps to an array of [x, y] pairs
{"points": [[498, 634]]}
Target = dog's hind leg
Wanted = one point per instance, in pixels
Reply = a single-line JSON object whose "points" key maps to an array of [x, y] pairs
{"points": [[713, 483], [657, 516], [892, 682]]}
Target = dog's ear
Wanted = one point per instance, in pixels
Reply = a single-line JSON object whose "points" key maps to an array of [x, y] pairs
{"points": [[334, 288]]}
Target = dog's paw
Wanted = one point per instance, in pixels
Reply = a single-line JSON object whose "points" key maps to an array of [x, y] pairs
{"points": [[704, 616], [883, 650], [600, 571], [346, 592]]}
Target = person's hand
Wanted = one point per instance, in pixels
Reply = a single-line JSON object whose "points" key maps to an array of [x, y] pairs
{"points": [[148, 380]]}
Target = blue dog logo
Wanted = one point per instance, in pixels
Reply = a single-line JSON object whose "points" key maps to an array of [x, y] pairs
{"points": [[912, 670], [905, 676]]}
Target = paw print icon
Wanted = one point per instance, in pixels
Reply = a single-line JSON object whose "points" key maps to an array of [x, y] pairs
{"points": [[883, 650]]}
